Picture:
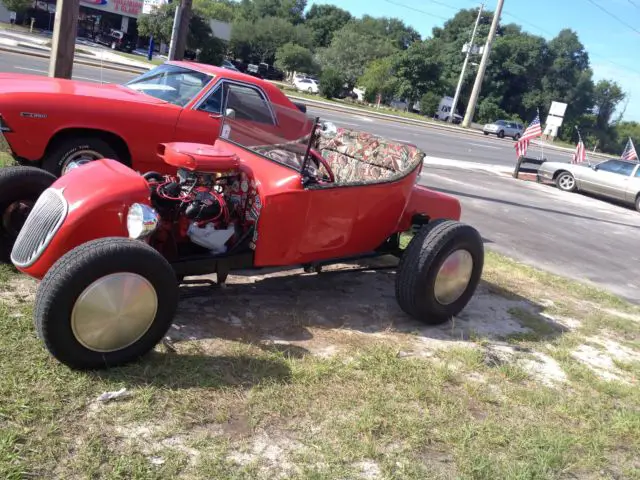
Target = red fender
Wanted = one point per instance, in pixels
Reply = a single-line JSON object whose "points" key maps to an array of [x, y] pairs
{"points": [[433, 204]]}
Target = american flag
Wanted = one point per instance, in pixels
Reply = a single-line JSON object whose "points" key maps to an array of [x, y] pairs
{"points": [[533, 130], [580, 154], [629, 151]]}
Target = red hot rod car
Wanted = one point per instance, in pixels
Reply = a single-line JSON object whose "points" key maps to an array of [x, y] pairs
{"points": [[111, 246], [56, 124]]}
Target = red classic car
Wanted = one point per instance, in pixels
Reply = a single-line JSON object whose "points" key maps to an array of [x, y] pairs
{"points": [[57, 124], [111, 245]]}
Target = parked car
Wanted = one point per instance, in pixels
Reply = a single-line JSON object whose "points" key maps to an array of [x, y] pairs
{"points": [[229, 65], [504, 128], [117, 40], [56, 124], [306, 85], [111, 245], [616, 179]]}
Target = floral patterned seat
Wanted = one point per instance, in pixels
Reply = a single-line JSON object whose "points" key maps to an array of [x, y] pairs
{"points": [[358, 157]]}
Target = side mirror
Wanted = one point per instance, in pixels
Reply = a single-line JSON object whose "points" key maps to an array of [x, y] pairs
{"points": [[230, 112]]}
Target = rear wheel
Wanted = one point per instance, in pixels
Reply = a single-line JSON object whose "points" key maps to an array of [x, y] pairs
{"points": [[439, 271], [566, 182], [75, 152], [516, 137], [20, 187], [638, 202], [106, 303]]}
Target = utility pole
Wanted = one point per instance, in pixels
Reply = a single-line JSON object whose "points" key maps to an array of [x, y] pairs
{"points": [[471, 108], [174, 31], [464, 66], [180, 30], [63, 44]]}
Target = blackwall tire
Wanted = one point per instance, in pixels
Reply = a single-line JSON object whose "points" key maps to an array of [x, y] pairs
{"points": [[566, 182], [141, 287], [501, 134], [77, 149], [422, 289], [20, 187]]}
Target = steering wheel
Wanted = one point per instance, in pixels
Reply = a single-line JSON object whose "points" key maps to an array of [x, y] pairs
{"points": [[320, 160]]}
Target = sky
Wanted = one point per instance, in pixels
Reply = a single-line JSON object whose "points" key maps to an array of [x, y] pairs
{"points": [[612, 43]]}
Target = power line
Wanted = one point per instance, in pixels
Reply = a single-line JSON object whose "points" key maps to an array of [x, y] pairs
{"points": [[417, 10], [613, 16], [634, 4]]}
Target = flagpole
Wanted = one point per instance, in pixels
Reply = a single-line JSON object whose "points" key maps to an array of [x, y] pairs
{"points": [[586, 154], [542, 142]]}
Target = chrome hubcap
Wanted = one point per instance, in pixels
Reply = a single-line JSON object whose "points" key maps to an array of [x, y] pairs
{"points": [[453, 277], [79, 158], [114, 312], [567, 181]]}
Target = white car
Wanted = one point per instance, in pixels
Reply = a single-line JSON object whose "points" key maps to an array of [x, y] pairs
{"points": [[305, 85], [615, 178]]}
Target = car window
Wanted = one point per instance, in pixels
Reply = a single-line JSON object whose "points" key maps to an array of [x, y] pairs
{"points": [[616, 166], [637, 173], [248, 104], [213, 103], [171, 83]]}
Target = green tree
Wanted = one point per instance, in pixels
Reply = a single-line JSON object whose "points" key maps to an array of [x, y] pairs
{"points": [[378, 78], [350, 52], [429, 103], [331, 82], [288, 10], [418, 70], [18, 6], [294, 58], [223, 10], [324, 21], [259, 41], [607, 97]]}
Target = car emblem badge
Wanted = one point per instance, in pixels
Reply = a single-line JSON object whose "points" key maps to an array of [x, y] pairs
{"points": [[33, 115]]}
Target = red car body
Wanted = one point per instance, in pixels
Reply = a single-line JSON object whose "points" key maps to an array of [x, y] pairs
{"points": [[39, 113], [321, 224]]}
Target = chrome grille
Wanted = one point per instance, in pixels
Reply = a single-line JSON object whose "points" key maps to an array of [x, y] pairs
{"points": [[41, 225]]}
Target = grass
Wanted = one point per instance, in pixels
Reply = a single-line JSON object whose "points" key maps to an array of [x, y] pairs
{"points": [[249, 412]]}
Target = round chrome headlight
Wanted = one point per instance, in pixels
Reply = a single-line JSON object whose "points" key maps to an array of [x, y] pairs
{"points": [[142, 220]]}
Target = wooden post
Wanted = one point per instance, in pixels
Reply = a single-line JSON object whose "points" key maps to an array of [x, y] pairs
{"points": [[183, 30], [64, 38], [517, 169]]}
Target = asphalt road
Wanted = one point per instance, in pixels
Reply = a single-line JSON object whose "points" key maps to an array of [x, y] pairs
{"points": [[572, 235], [436, 143]]}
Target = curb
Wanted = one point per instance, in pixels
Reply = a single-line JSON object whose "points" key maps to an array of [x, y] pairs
{"points": [[79, 59]]}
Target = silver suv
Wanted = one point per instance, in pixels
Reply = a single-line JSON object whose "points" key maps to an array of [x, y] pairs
{"points": [[503, 128]]}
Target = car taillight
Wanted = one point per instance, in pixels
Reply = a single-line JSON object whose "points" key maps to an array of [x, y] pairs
{"points": [[3, 125]]}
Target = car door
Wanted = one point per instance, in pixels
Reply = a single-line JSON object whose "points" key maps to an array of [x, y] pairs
{"points": [[201, 123], [612, 177], [633, 186], [248, 104]]}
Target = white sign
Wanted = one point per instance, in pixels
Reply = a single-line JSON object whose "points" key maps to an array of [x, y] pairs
{"points": [[129, 8], [150, 5], [551, 130], [554, 121], [220, 29], [558, 109]]}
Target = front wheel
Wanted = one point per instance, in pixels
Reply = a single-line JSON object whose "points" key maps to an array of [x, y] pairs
{"points": [[566, 182], [440, 271], [106, 303], [501, 134], [20, 188], [75, 152]]}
